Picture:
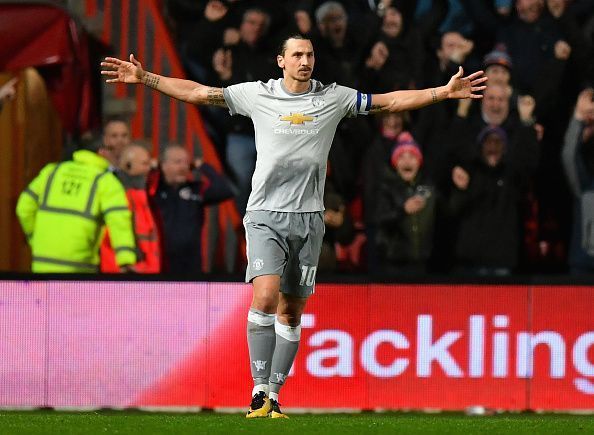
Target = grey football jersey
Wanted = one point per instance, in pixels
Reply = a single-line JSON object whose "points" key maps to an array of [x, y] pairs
{"points": [[294, 133]]}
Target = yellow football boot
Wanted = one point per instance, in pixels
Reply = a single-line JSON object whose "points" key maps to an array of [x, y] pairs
{"points": [[260, 406], [276, 411]]}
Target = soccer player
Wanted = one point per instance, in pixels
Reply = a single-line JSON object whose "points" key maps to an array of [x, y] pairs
{"points": [[295, 118]]}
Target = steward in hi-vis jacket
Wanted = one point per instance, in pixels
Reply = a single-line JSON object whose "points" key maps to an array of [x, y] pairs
{"points": [[63, 212]]}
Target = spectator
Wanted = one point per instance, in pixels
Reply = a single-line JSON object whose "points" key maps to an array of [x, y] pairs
{"points": [[339, 54], [539, 56], [180, 198], [339, 229], [378, 157], [338, 51], [541, 48], [433, 122], [488, 16], [396, 58], [578, 162], [446, 135], [570, 16], [212, 31], [376, 160], [406, 211], [498, 66], [519, 126], [116, 136], [63, 211], [486, 201], [247, 61], [135, 164], [522, 131]]}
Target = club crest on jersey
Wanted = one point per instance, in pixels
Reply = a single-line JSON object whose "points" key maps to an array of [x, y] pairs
{"points": [[258, 264], [297, 118], [318, 102]]}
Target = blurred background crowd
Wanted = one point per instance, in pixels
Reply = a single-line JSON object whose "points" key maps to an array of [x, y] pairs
{"points": [[491, 187]]}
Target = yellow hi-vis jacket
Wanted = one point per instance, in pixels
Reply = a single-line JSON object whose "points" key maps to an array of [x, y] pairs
{"points": [[63, 212]]}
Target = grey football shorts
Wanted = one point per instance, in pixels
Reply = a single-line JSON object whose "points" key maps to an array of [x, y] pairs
{"points": [[284, 244]]}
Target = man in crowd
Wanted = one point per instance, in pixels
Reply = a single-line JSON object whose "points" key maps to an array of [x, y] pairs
{"points": [[134, 167], [180, 196], [116, 136], [495, 110], [63, 212], [433, 122], [486, 200]]}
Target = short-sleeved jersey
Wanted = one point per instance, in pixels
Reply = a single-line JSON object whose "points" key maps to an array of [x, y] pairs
{"points": [[294, 133]]}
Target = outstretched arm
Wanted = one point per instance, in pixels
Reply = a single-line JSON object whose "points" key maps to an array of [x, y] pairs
{"points": [[121, 71], [457, 88]]}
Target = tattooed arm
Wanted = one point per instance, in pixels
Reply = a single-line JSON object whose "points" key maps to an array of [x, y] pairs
{"points": [[458, 87], [120, 71]]}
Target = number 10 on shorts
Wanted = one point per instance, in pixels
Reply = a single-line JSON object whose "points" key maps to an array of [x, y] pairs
{"points": [[308, 275]]}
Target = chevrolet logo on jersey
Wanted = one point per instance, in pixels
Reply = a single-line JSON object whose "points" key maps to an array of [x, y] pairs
{"points": [[297, 118]]}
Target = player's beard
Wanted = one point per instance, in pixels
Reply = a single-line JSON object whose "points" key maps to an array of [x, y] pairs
{"points": [[303, 78]]}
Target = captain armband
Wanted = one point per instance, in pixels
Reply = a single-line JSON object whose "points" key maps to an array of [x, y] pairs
{"points": [[363, 103]]}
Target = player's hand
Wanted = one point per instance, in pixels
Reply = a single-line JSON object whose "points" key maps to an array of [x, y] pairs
{"points": [[120, 71], [466, 87]]}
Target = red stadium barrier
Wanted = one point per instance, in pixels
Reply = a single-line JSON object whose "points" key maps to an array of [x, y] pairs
{"points": [[563, 355], [136, 344]]}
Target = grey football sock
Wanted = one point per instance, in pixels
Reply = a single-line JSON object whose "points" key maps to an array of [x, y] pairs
{"points": [[261, 339], [287, 343]]}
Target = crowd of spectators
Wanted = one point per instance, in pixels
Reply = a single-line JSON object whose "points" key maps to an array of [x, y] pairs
{"points": [[465, 187], [148, 219], [489, 187]]}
